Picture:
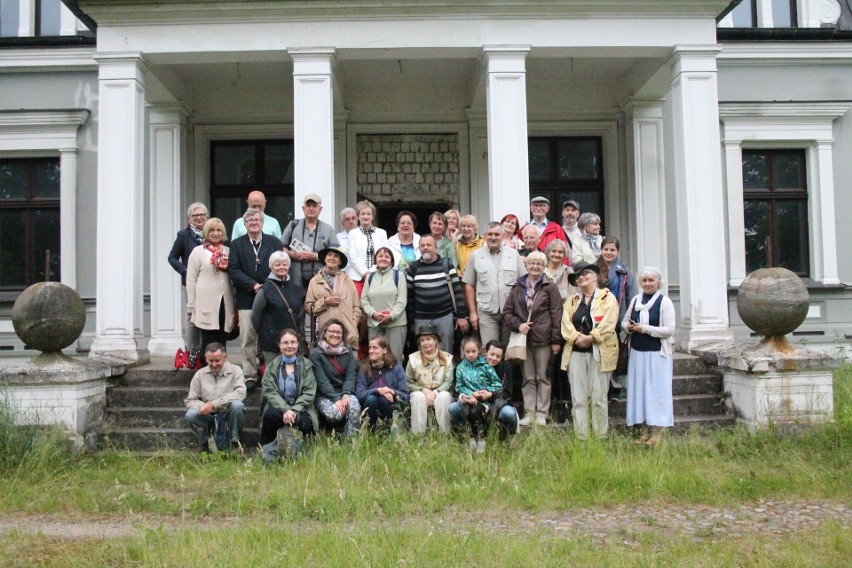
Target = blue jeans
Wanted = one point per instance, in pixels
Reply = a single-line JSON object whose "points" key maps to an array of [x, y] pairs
{"points": [[476, 415], [507, 419], [204, 424]]}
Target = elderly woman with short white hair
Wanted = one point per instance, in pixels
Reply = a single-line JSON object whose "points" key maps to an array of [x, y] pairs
{"points": [[650, 321], [588, 249], [278, 305]]}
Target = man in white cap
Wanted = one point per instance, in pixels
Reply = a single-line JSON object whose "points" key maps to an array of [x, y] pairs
{"points": [[304, 238], [256, 200], [548, 230]]}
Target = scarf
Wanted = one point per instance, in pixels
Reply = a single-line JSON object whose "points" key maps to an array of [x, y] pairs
{"points": [[329, 350], [219, 260], [643, 309], [334, 281], [288, 386], [530, 287], [371, 250], [593, 243], [197, 234]]}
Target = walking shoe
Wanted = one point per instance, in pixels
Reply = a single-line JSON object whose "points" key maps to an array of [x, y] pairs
{"points": [[526, 421], [656, 436], [540, 420], [480, 446], [251, 384], [211, 444]]}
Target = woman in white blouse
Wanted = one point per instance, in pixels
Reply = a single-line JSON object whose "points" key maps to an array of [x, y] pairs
{"points": [[364, 241]]}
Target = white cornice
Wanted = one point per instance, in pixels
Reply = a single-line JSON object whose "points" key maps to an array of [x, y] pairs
{"points": [[48, 59], [43, 118], [784, 53], [135, 12], [774, 111]]}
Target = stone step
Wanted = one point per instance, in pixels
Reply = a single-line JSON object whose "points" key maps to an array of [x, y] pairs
{"points": [[697, 384], [158, 396], [684, 405], [159, 417]]}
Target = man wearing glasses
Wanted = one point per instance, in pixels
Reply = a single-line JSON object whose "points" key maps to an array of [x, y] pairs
{"points": [[187, 239], [248, 269], [304, 238], [547, 230]]}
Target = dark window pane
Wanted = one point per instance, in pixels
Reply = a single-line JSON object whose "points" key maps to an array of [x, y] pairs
{"points": [[281, 207], [789, 170], [782, 16], [539, 152], [46, 238], [578, 159], [13, 230], [46, 179], [791, 229], [278, 161], [49, 18], [234, 165], [742, 15], [757, 226], [755, 171], [9, 17], [14, 175]]}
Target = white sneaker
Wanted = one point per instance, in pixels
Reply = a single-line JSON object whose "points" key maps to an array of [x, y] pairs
{"points": [[480, 447], [526, 421], [540, 421], [473, 444]]}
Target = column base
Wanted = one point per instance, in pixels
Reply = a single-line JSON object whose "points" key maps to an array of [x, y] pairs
{"points": [[785, 390], [123, 350], [165, 346], [703, 340]]}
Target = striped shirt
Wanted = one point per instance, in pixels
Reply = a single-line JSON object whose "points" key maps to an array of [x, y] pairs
{"points": [[428, 293]]}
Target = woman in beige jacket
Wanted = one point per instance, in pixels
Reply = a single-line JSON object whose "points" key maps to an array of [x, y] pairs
{"points": [[210, 303], [332, 294]]}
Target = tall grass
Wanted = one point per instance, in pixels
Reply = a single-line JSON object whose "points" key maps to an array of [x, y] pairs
{"points": [[29, 451]]}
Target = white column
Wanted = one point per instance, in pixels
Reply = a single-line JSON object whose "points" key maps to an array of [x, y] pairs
{"points": [[700, 207], [508, 166], [646, 176], [26, 18], [68, 216], [167, 164], [736, 212], [120, 213], [822, 217], [313, 128]]}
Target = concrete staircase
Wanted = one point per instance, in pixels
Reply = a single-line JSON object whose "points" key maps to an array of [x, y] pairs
{"points": [[145, 409]]}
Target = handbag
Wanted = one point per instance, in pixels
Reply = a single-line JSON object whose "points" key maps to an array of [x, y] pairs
{"points": [[623, 353], [516, 350]]}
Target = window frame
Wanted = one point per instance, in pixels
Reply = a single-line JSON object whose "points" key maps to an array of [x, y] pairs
{"points": [[773, 196], [30, 203]]}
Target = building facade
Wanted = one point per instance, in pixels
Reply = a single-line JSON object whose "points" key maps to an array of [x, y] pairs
{"points": [[712, 137]]}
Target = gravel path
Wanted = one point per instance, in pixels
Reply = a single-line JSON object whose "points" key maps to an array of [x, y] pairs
{"points": [[619, 523]]}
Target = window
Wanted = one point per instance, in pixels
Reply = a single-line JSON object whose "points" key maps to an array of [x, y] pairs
{"points": [[29, 221], [240, 166], [775, 199], [567, 168], [783, 13], [48, 17]]}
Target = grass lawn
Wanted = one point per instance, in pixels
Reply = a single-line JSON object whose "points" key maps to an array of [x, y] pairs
{"points": [[380, 502]]}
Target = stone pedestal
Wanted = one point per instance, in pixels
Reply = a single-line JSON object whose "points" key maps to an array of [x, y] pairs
{"points": [[785, 388], [54, 389]]}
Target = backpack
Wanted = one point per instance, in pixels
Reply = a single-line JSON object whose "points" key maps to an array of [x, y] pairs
{"points": [[395, 278]]}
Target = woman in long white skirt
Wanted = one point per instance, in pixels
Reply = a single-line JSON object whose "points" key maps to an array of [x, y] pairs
{"points": [[650, 321]]}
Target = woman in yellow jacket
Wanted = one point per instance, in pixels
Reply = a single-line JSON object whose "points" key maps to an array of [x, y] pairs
{"points": [[591, 351]]}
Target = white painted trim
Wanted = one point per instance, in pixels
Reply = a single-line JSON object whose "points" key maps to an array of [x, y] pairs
{"points": [[51, 133], [784, 53], [26, 18], [44, 59], [808, 126], [815, 13], [204, 134]]}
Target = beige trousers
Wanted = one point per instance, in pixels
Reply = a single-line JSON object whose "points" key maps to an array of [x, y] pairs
{"points": [[248, 345], [419, 409], [536, 385], [588, 383]]}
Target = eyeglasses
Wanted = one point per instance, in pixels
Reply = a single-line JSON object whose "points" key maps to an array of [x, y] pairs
{"points": [[198, 215], [334, 332]]}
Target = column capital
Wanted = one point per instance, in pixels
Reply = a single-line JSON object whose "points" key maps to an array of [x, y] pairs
{"points": [[312, 60], [122, 66], [694, 58], [167, 114], [505, 58], [643, 108]]}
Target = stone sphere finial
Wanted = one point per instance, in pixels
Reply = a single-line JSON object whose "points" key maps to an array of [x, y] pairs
{"points": [[48, 316], [773, 302]]}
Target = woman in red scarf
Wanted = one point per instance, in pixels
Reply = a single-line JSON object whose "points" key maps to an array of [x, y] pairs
{"points": [[208, 289]]}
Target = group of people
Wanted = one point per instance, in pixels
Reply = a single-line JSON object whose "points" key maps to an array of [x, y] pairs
{"points": [[331, 314]]}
